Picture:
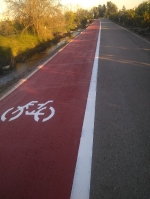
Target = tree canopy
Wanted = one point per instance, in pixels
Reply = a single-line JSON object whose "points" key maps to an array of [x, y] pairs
{"points": [[139, 16]]}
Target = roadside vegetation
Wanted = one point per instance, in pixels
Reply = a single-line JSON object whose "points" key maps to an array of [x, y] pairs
{"points": [[30, 24], [136, 19], [33, 23]]}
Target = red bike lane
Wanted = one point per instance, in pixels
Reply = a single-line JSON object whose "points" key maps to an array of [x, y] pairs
{"points": [[41, 123]]}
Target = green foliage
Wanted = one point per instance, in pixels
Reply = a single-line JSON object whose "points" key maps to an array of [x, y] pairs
{"points": [[143, 8], [7, 28], [105, 10], [111, 9], [139, 17], [142, 14], [34, 22], [96, 12], [102, 10], [82, 16], [15, 45], [70, 20], [36, 17], [126, 17]]}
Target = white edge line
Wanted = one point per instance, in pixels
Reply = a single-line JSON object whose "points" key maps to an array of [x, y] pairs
{"points": [[82, 176], [132, 32]]}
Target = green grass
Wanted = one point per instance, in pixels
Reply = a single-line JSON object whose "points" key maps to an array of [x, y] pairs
{"points": [[18, 44]]}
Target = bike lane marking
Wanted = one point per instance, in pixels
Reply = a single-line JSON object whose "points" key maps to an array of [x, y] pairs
{"points": [[21, 109], [81, 183], [38, 158]]}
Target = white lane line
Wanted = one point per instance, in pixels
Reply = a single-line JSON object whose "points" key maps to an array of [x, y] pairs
{"points": [[131, 32], [82, 177]]}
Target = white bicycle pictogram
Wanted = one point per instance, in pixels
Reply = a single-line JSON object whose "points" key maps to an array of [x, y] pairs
{"points": [[24, 109]]}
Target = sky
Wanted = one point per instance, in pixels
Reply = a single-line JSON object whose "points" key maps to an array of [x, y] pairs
{"points": [[129, 4], [2, 6], [86, 4]]}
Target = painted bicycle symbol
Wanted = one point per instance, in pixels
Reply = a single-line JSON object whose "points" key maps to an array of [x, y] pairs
{"points": [[24, 109]]}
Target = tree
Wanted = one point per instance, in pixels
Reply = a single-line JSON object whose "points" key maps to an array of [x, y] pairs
{"points": [[102, 10], [128, 17], [82, 16], [35, 15], [96, 12], [7, 27], [143, 14], [70, 20], [111, 8], [143, 8]]}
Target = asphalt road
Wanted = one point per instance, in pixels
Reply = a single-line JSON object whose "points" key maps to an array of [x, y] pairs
{"points": [[41, 121], [121, 149]]}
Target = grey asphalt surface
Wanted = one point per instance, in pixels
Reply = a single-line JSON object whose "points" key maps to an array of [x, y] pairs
{"points": [[121, 148]]}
